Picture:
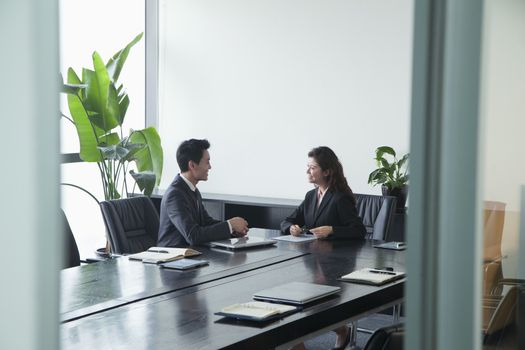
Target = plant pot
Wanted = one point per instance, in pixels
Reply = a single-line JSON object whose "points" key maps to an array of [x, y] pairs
{"points": [[400, 193]]}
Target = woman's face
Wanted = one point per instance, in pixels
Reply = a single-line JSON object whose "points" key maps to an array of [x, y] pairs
{"points": [[315, 174]]}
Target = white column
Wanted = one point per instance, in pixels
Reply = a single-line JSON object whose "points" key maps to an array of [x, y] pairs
{"points": [[443, 263], [29, 174], [152, 63]]}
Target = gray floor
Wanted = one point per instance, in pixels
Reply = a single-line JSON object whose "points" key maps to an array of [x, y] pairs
{"points": [[327, 341]]}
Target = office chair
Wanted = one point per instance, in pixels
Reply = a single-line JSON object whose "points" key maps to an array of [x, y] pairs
{"points": [[72, 256], [500, 312], [493, 222], [132, 224], [377, 213], [387, 338]]}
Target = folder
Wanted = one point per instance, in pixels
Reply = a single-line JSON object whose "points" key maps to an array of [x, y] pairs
{"points": [[184, 264], [257, 311]]}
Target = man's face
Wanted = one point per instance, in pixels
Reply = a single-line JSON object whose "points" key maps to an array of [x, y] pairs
{"points": [[200, 170]]}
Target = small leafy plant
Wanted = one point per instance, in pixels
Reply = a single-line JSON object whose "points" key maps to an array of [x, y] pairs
{"points": [[392, 174], [97, 104]]}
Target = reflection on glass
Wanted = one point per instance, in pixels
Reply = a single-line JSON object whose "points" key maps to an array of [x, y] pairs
{"points": [[502, 112]]}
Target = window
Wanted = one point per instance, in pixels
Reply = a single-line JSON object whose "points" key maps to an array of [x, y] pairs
{"points": [[106, 27]]}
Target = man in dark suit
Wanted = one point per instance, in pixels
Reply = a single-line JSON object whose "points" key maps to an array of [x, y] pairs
{"points": [[183, 219]]}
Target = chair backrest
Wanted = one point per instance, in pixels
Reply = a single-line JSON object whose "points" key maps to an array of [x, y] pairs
{"points": [[132, 224], [504, 314], [386, 338], [377, 213], [71, 256], [493, 221]]}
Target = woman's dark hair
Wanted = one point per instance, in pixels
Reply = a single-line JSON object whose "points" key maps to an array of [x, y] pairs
{"points": [[191, 150], [327, 160]]}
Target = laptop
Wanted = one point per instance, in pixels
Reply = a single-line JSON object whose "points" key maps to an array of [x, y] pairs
{"points": [[391, 245], [242, 242], [296, 293]]}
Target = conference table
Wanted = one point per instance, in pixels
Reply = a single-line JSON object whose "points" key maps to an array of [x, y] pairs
{"points": [[123, 304]]}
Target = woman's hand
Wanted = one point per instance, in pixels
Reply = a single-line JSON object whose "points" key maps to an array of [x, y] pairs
{"points": [[322, 231], [295, 230]]}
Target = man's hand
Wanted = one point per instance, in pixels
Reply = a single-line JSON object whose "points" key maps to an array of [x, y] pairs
{"points": [[322, 231], [239, 226], [295, 230]]}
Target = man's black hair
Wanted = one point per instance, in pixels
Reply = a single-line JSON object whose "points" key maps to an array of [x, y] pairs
{"points": [[191, 150]]}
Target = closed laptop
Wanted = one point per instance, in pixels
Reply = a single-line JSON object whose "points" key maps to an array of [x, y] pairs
{"points": [[242, 242], [296, 293]]}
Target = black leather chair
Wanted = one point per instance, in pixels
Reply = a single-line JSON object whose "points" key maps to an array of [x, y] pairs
{"points": [[387, 338], [71, 256], [377, 213], [132, 224]]}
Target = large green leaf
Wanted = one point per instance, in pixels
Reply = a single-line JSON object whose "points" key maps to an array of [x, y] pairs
{"points": [[72, 88], [116, 63], [91, 94], [384, 149], [109, 139], [145, 180], [107, 104], [123, 108], [128, 150], [402, 161], [86, 133], [151, 157]]}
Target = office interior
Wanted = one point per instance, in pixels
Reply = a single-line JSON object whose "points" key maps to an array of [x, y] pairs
{"points": [[267, 81]]}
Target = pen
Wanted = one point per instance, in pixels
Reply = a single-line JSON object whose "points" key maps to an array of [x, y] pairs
{"points": [[157, 251], [305, 231], [382, 272]]}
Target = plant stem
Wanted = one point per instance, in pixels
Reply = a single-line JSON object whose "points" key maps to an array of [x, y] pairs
{"points": [[82, 189]]}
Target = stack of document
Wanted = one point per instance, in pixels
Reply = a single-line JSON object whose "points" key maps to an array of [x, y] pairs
{"points": [[256, 311], [301, 238], [157, 255], [372, 276]]}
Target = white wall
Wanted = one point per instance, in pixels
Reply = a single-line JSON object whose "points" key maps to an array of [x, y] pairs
{"points": [[265, 81], [503, 115], [503, 108]]}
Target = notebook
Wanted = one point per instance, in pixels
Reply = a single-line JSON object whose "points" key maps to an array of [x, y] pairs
{"points": [[242, 242], [157, 255], [391, 245], [184, 264], [296, 293], [257, 311], [372, 276]]}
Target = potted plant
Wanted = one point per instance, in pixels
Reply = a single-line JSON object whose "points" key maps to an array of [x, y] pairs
{"points": [[392, 175], [97, 104]]}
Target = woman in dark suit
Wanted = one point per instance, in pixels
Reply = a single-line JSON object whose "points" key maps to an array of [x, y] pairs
{"points": [[328, 211]]}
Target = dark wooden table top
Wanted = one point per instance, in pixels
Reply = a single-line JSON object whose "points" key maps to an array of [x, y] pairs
{"points": [[184, 319], [97, 287]]}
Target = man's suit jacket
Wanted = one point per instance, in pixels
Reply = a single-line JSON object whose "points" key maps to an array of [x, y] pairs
{"points": [[183, 219], [337, 209]]}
